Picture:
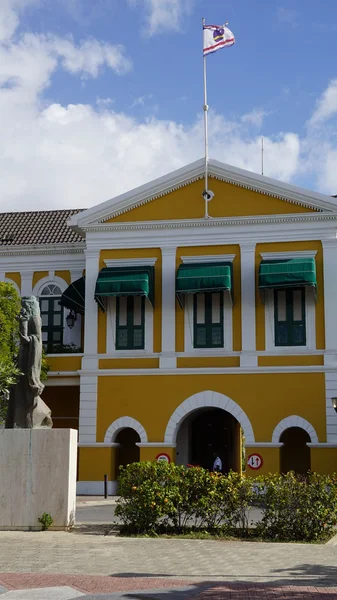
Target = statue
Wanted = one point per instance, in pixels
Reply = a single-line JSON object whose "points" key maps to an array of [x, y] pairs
{"points": [[26, 409]]}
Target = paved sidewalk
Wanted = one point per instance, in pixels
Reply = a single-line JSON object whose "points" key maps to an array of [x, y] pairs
{"points": [[63, 566]]}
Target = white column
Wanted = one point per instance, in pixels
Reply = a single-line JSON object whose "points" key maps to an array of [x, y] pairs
{"points": [[75, 274], [90, 360], [26, 283], [88, 382], [330, 357], [2, 276], [248, 322], [168, 339], [330, 299]]}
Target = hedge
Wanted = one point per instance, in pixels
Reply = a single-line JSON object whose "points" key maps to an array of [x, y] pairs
{"points": [[160, 497]]}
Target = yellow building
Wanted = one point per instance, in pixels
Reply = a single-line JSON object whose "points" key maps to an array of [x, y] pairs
{"points": [[188, 335]]}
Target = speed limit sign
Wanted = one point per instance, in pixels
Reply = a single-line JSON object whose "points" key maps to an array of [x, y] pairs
{"points": [[255, 461]]}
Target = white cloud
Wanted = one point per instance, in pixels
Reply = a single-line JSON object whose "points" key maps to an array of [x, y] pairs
{"points": [[164, 14], [10, 11], [327, 104], [255, 117]]}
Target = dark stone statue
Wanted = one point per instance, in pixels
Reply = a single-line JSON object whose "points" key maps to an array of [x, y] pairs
{"points": [[26, 409]]}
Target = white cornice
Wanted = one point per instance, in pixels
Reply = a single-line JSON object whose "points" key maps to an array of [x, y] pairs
{"points": [[209, 258], [209, 371], [288, 255], [42, 249], [193, 172], [132, 262]]}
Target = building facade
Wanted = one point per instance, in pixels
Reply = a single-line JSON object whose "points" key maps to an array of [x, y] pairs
{"points": [[189, 336]]}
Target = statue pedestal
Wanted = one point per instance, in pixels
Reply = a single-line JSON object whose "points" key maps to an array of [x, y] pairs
{"points": [[37, 475]]}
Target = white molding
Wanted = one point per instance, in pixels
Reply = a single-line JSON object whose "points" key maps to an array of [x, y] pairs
{"points": [[130, 262], [122, 423], [322, 445], [41, 260], [111, 332], [294, 421], [95, 488], [62, 373], [212, 400], [310, 324], [208, 370], [63, 381], [100, 445], [208, 258], [288, 255], [265, 445], [188, 330], [49, 280], [25, 250], [192, 172], [154, 445], [65, 355]]}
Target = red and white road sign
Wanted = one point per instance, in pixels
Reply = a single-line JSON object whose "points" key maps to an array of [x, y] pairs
{"points": [[255, 461], [163, 458]]}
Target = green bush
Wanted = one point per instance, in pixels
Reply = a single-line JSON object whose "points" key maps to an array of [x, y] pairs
{"points": [[159, 497], [298, 508]]}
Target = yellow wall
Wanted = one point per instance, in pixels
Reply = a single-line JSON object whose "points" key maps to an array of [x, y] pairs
{"points": [[64, 275], [212, 361], [271, 461], [260, 309], [205, 251], [229, 201], [128, 254], [129, 363], [94, 463], [38, 275], [16, 277], [64, 363], [324, 460], [266, 399], [288, 359]]}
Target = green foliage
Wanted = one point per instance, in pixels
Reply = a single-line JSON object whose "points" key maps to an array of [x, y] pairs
{"points": [[298, 508], [160, 497], [9, 327], [45, 368], [46, 521], [66, 349]]}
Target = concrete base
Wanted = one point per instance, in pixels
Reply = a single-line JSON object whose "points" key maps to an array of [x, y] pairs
{"points": [[38, 474]]}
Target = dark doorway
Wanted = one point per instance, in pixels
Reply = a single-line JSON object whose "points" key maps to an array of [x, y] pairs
{"points": [[295, 454], [127, 452], [215, 431]]}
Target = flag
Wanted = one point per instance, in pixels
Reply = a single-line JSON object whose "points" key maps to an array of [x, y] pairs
{"points": [[216, 37]]}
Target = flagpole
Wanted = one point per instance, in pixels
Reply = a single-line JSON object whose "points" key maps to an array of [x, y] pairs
{"points": [[205, 192]]}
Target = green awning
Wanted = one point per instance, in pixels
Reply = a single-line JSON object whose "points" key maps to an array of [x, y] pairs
{"points": [[203, 277], [73, 297], [294, 272], [125, 281]]}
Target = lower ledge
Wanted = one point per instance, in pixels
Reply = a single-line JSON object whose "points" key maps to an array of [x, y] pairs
{"points": [[95, 488]]}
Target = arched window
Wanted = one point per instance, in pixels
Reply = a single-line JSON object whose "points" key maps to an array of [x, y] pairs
{"points": [[52, 317]]}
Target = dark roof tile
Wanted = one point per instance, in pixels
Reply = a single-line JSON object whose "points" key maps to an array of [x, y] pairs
{"points": [[37, 227]]}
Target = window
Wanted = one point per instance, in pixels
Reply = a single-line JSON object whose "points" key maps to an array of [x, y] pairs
{"points": [[290, 329], [208, 325], [52, 317], [130, 323]]}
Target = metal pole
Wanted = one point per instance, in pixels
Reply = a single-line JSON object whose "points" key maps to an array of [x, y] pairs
{"points": [[105, 486], [206, 126]]}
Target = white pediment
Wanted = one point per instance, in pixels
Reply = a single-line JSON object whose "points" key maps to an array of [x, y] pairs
{"points": [[182, 177]]}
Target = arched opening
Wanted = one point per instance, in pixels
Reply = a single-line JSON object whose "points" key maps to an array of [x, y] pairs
{"points": [[127, 451], [295, 454], [206, 432]]}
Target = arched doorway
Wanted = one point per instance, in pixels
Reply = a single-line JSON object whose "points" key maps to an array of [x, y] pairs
{"points": [[208, 431], [295, 454], [127, 451]]}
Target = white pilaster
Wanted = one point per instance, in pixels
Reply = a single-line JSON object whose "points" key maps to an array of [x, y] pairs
{"points": [[75, 274], [248, 324], [168, 357], [26, 283], [330, 300], [2, 276], [90, 360]]}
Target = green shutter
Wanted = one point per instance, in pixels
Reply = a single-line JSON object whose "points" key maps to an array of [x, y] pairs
{"points": [[52, 322], [130, 335], [203, 277], [290, 327], [208, 333], [129, 281], [283, 274]]}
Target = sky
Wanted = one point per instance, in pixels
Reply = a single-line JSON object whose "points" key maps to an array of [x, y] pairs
{"points": [[100, 96]]}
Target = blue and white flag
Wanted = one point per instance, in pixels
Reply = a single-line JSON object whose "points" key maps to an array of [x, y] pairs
{"points": [[216, 37]]}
